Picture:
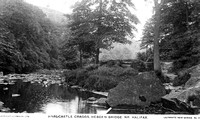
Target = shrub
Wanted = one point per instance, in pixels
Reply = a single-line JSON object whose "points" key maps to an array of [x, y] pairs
{"points": [[177, 65], [76, 77], [143, 56], [111, 63], [105, 83], [128, 72], [90, 81], [101, 79], [100, 83], [181, 79], [72, 65], [108, 71], [81, 76], [103, 70], [138, 65], [70, 76], [185, 62], [91, 67], [142, 66], [105, 78]]}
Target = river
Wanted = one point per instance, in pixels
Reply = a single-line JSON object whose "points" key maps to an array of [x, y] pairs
{"points": [[35, 97], [34, 94]]}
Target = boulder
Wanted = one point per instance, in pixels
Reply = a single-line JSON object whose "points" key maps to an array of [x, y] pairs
{"points": [[187, 99], [190, 74], [1, 74], [183, 100], [138, 91], [181, 79], [102, 101], [195, 76], [92, 99], [1, 103], [5, 109], [192, 82]]}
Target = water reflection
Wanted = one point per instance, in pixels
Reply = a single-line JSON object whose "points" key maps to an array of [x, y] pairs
{"points": [[36, 98], [68, 107]]}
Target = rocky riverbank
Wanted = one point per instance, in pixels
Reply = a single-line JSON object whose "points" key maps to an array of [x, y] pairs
{"points": [[186, 96], [45, 77], [133, 92], [180, 93]]}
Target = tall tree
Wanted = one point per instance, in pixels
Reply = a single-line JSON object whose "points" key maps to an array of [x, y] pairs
{"points": [[156, 58], [107, 22], [178, 38]]}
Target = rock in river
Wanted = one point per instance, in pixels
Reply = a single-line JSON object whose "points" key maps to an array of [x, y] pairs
{"points": [[15, 95], [140, 91], [1, 103], [187, 99], [5, 109], [102, 101], [92, 99]]}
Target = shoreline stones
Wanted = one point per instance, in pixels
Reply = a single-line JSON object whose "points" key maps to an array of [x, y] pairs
{"points": [[188, 98], [92, 99], [5, 109], [15, 95], [102, 101], [1, 104]]}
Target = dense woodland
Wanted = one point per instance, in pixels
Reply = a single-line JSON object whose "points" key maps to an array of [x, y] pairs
{"points": [[29, 40], [178, 35]]}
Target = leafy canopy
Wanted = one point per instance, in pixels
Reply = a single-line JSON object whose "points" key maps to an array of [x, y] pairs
{"points": [[101, 23]]}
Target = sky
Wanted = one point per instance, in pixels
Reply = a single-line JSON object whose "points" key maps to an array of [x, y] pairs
{"points": [[143, 12], [143, 9], [59, 5]]}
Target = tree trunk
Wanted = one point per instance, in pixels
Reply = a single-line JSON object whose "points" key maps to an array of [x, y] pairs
{"points": [[156, 60], [187, 19], [97, 56], [99, 38], [81, 58]]}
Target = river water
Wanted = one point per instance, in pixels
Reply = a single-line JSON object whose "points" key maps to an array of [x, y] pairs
{"points": [[53, 99]]}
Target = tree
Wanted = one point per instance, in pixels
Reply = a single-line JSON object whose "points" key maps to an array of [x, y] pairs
{"points": [[148, 34], [102, 22], [178, 38], [185, 36], [156, 58], [27, 38], [155, 25]]}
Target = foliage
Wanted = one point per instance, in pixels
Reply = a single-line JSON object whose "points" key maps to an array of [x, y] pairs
{"points": [[139, 65], [27, 38], [76, 77], [98, 24], [111, 63], [147, 38], [91, 67], [100, 83], [119, 52], [101, 79], [146, 56], [179, 33]]}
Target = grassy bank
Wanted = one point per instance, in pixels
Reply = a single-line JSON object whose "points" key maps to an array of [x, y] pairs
{"points": [[102, 78]]}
